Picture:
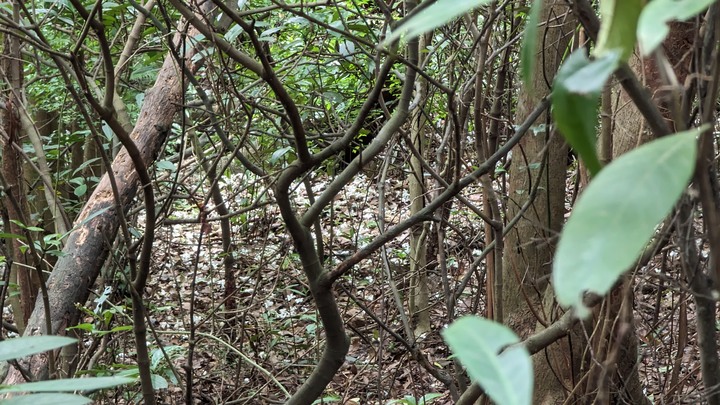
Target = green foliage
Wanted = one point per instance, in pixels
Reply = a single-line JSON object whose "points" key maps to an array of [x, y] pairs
{"points": [[54, 399], [24, 346], [161, 372], [411, 400], [575, 97], [652, 26], [436, 15], [17, 348], [506, 377], [616, 216], [68, 384], [619, 19], [327, 399]]}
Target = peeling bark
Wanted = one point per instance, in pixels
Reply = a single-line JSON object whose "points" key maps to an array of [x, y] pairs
{"points": [[88, 244]]}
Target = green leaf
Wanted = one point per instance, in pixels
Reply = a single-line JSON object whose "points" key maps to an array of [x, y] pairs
{"points": [[616, 216], [83, 326], [25, 346], [279, 153], [69, 384], [619, 25], [48, 399], [583, 76], [5, 235], [165, 165], [652, 26], [84, 165], [506, 377], [234, 32], [327, 399], [428, 398], [530, 41], [575, 97], [158, 382], [80, 190], [436, 15]]}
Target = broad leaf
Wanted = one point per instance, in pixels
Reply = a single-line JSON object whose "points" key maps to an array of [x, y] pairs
{"points": [[619, 25], [435, 15], [48, 399], [158, 382], [25, 346], [652, 26], [530, 41], [506, 377], [616, 216], [575, 97], [69, 384]]}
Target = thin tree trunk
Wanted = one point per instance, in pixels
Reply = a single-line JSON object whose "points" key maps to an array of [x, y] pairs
{"points": [[15, 204], [419, 293]]}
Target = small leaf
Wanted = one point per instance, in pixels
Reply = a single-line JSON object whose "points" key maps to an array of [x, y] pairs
{"points": [[80, 190], [438, 14], [158, 382], [506, 377], [280, 153], [619, 25], [5, 235], [575, 97], [428, 398], [234, 32], [616, 216], [165, 165], [48, 399], [83, 326], [69, 384], [85, 164], [652, 25], [530, 41], [25, 346]]}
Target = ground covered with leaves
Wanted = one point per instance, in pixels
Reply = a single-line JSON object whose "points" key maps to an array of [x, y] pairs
{"points": [[260, 344]]}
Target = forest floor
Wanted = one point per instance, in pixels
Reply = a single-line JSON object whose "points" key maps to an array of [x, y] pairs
{"points": [[263, 345]]}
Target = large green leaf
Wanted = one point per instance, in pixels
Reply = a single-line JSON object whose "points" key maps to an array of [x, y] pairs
{"points": [[25, 346], [530, 41], [616, 216], [48, 399], [619, 22], [652, 26], [435, 15], [68, 384], [506, 377], [575, 97]]}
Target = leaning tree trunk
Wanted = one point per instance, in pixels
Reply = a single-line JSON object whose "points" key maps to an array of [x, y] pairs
{"points": [[87, 247]]}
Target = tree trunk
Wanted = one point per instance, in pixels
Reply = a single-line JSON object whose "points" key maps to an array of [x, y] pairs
{"points": [[419, 294], [87, 246], [15, 202], [539, 161]]}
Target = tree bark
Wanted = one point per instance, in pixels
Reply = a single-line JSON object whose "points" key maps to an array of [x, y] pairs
{"points": [[420, 292], [540, 160], [15, 202], [88, 244]]}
